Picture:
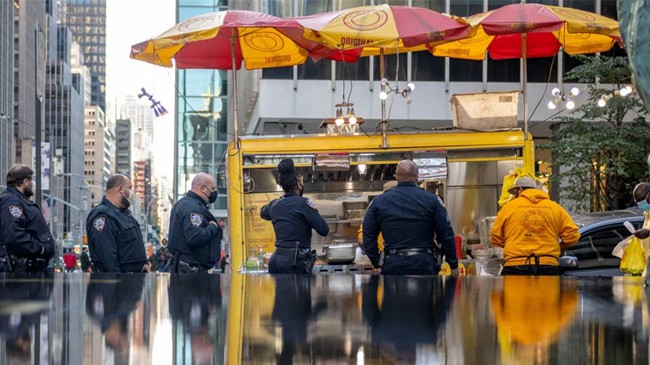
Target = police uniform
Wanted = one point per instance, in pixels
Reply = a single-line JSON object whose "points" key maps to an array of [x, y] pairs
{"points": [[293, 218], [408, 217], [26, 244], [114, 239], [194, 243]]}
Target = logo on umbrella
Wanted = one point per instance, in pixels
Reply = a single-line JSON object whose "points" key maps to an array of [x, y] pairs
{"points": [[264, 41], [201, 22], [364, 20]]}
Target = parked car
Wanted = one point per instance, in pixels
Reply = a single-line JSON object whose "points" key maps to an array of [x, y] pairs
{"points": [[600, 232]]}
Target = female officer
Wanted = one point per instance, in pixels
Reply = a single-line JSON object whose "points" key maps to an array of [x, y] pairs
{"points": [[293, 218]]}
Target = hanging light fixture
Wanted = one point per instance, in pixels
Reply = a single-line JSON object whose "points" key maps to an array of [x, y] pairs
{"points": [[559, 97], [345, 122], [623, 92], [406, 92]]}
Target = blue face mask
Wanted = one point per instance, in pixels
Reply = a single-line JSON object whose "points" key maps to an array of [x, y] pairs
{"points": [[644, 205]]}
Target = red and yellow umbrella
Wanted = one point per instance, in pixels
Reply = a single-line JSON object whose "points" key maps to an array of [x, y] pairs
{"points": [[226, 39], [546, 28], [371, 29], [532, 31]]}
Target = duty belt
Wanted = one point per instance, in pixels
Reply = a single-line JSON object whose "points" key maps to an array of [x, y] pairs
{"points": [[285, 251], [409, 251]]}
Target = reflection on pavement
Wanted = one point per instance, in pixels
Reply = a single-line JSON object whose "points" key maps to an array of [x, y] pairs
{"points": [[323, 319]]}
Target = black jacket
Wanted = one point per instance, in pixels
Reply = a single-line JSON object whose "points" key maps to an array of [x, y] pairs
{"points": [[23, 230], [293, 218], [191, 236], [407, 217], [114, 239]]}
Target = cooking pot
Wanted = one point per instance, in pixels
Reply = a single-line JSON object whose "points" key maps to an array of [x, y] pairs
{"points": [[343, 253]]}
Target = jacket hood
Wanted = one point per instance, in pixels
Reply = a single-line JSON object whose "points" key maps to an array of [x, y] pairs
{"points": [[534, 195]]}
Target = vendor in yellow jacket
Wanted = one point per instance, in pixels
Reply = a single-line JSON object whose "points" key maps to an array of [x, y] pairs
{"points": [[529, 228]]}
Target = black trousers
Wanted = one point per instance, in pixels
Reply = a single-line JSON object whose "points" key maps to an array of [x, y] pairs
{"points": [[422, 264]]}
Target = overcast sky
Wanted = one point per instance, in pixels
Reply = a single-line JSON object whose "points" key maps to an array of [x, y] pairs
{"points": [[130, 22]]}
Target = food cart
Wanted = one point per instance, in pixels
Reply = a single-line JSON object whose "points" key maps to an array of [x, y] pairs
{"points": [[342, 173]]}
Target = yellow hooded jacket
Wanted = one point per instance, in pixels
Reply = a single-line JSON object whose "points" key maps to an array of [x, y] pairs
{"points": [[533, 224]]}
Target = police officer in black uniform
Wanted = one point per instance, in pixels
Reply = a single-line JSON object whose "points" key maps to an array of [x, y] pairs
{"points": [[114, 235], [293, 218], [408, 217], [194, 234], [194, 305], [26, 244]]}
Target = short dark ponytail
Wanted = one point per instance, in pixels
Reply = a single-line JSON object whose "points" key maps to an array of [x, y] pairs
{"points": [[287, 175]]}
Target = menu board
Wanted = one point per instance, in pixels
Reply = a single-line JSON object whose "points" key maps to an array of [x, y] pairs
{"points": [[257, 231]]}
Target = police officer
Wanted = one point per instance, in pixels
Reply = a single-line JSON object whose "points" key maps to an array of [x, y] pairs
{"points": [[26, 244], [293, 218], [114, 235], [194, 234], [408, 217]]}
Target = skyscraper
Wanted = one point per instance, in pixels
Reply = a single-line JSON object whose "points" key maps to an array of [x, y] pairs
{"points": [[86, 19], [6, 85]]}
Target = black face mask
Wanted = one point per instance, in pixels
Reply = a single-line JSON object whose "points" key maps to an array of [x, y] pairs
{"points": [[28, 192], [212, 197], [125, 202]]}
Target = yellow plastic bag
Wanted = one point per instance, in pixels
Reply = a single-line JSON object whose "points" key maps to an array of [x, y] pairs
{"points": [[509, 183], [634, 258]]}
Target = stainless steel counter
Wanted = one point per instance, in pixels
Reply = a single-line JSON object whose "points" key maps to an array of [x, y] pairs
{"points": [[323, 319]]}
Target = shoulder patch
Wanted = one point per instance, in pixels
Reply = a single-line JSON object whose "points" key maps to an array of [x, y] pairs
{"points": [[196, 219], [99, 223], [15, 211], [312, 204]]}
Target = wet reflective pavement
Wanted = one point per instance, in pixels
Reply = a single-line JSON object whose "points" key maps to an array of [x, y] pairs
{"points": [[323, 319]]}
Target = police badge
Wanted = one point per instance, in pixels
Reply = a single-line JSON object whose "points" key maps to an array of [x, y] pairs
{"points": [[196, 219], [99, 223], [15, 211]]}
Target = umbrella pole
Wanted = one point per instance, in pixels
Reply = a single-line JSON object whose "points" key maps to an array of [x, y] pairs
{"points": [[384, 122], [235, 110], [525, 84]]}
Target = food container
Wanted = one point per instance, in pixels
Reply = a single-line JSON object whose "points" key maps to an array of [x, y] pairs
{"points": [[482, 253], [343, 253], [484, 228]]}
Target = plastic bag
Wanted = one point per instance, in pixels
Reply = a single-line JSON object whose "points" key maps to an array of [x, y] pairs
{"points": [[634, 258], [509, 183], [618, 250]]}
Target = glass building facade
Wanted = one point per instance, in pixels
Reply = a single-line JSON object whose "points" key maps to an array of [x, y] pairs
{"points": [[202, 116]]}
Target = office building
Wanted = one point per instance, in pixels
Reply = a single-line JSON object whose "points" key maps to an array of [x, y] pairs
{"points": [[64, 134], [30, 55], [7, 9], [87, 22]]}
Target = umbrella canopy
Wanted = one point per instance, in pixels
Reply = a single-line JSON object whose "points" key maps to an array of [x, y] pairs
{"points": [[547, 28], [373, 29], [223, 40]]}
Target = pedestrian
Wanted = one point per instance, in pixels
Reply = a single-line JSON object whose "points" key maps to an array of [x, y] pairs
{"points": [[194, 234], [408, 217], [70, 260], [293, 217], [641, 196], [529, 228], [26, 243], [85, 260], [114, 235]]}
